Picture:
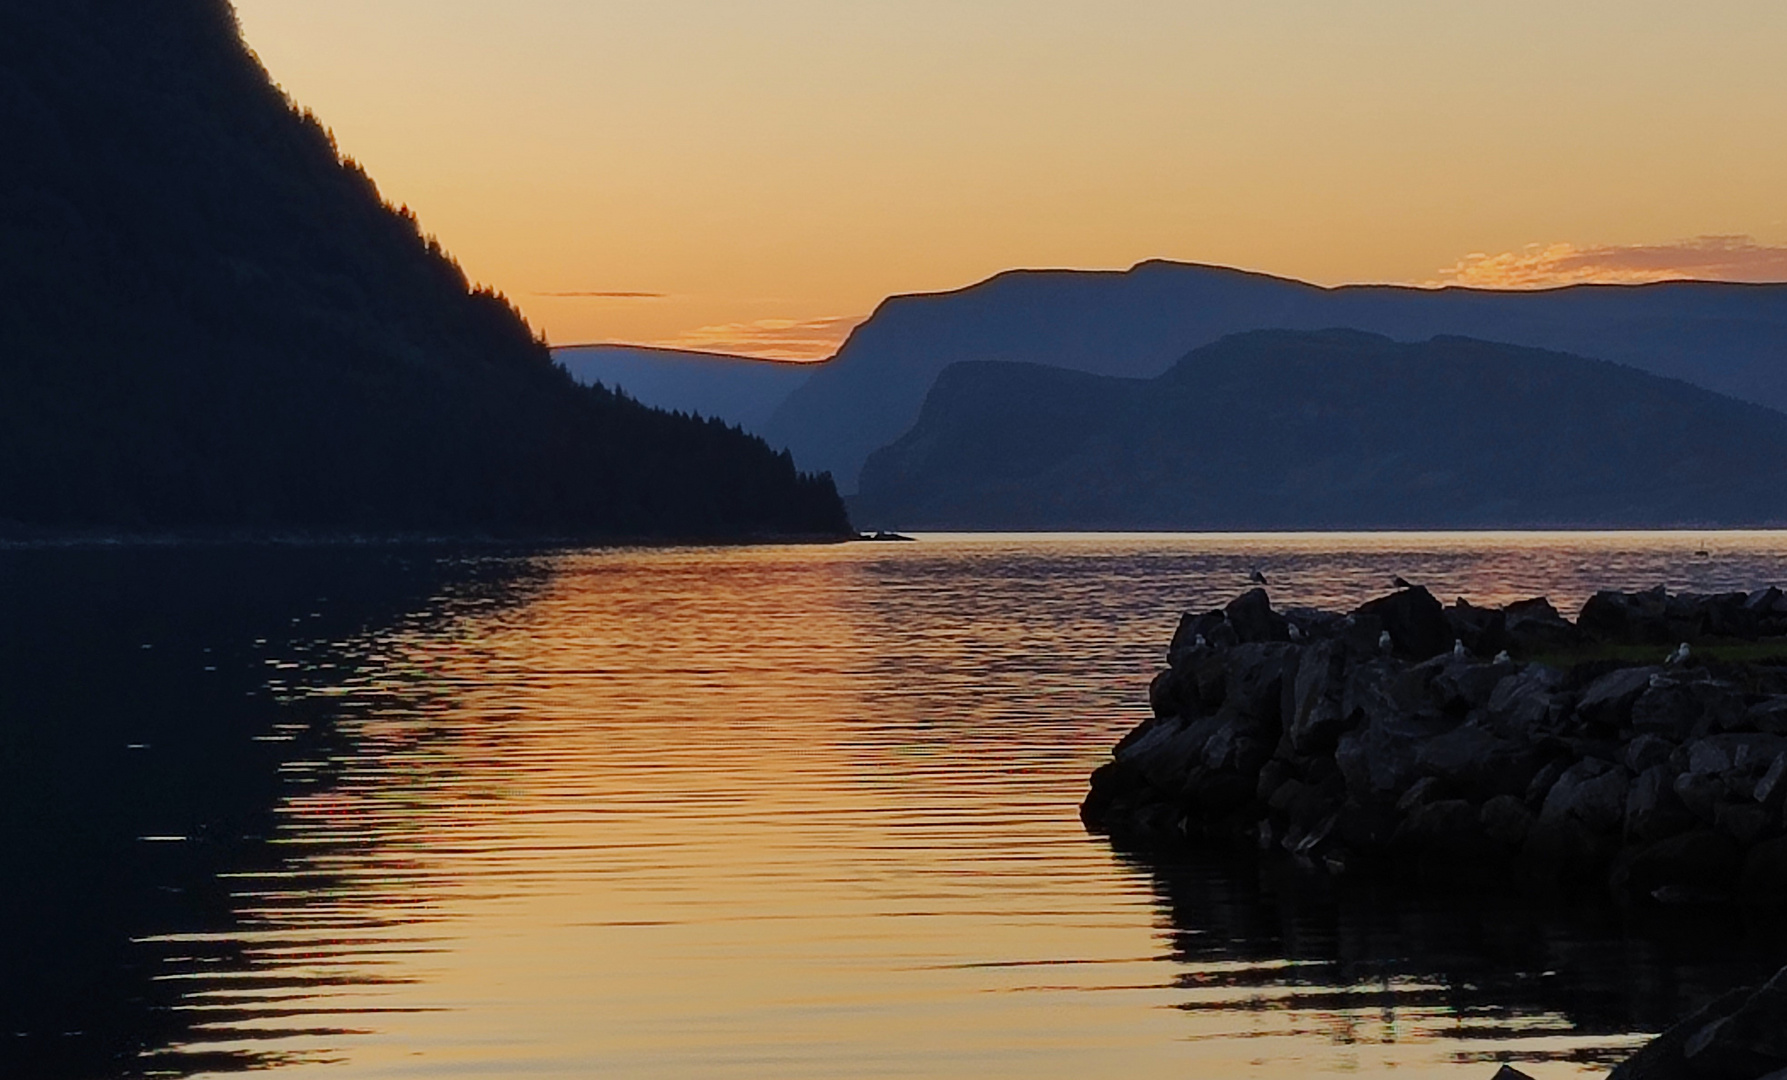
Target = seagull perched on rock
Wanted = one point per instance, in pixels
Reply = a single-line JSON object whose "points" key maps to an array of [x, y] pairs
{"points": [[1296, 632], [1680, 655], [1200, 642], [1459, 652], [1384, 641], [1400, 582], [1503, 657], [1256, 576]]}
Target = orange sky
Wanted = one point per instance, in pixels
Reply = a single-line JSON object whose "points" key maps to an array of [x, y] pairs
{"points": [[758, 174]]}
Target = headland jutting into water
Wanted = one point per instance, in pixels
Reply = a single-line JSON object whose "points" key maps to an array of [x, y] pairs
{"points": [[1640, 750]]}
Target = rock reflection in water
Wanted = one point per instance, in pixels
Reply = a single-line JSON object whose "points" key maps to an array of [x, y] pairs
{"points": [[1498, 977]]}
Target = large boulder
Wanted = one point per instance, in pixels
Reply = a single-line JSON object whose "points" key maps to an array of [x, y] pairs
{"points": [[1609, 699], [1253, 619], [1526, 700], [1254, 679], [1478, 763], [1628, 618], [1534, 627], [1415, 621], [1664, 1058], [1379, 758], [1593, 793], [1317, 718], [1464, 685], [1653, 810], [1484, 631]]}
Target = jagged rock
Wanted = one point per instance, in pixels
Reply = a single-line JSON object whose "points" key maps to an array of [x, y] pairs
{"points": [[1608, 700], [1669, 708], [1751, 1041], [1647, 751], [1708, 757], [1535, 627], [1210, 627], [1663, 1057], [1653, 810], [1254, 678], [1627, 618], [1253, 619], [1415, 621], [1378, 758], [1509, 1072], [1317, 718], [1524, 700], [1425, 790], [1769, 715], [1544, 781], [1476, 762], [1767, 601], [1591, 792], [1668, 780], [1464, 685], [1484, 631], [1701, 793], [1771, 790]]}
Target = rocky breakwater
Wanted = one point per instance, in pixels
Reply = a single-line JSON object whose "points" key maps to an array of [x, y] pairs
{"points": [[1641, 748]]}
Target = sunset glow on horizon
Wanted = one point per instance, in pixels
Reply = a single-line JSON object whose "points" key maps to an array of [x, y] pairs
{"points": [[756, 177]]}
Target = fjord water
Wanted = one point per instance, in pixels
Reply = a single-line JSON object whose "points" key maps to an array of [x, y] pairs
{"points": [[737, 813]]}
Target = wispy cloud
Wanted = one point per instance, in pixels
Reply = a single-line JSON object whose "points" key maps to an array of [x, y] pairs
{"points": [[1538, 266], [605, 295], [771, 339]]}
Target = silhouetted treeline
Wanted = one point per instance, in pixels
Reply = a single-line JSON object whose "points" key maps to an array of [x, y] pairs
{"points": [[209, 321]]}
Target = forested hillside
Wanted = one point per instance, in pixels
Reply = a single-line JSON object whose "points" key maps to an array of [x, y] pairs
{"points": [[209, 321]]}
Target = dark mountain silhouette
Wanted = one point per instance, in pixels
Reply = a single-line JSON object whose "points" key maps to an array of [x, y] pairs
{"points": [[209, 321], [740, 390], [1329, 430], [1725, 337]]}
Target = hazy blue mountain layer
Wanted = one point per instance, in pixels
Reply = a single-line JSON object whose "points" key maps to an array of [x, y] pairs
{"points": [[737, 389], [1728, 338], [210, 322], [1330, 430]]}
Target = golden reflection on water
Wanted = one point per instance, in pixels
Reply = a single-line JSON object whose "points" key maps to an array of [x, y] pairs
{"points": [[810, 812]]}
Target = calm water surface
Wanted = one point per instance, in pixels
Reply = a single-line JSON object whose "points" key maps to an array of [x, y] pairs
{"points": [[811, 812]]}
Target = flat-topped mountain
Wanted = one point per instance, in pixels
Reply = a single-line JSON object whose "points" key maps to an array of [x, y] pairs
{"points": [[1330, 430], [211, 322], [1725, 337]]}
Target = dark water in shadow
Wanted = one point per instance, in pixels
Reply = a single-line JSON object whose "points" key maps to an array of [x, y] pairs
{"points": [[772, 812], [1366, 963], [145, 743]]}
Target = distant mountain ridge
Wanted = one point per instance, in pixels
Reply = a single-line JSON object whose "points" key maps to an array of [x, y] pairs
{"points": [[740, 390], [210, 322], [1731, 338], [1334, 429]]}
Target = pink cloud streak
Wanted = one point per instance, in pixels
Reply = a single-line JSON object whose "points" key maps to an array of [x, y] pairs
{"points": [[771, 339], [1539, 266]]}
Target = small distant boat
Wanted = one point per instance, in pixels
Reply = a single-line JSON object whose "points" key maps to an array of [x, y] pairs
{"points": [[883, 536]]}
